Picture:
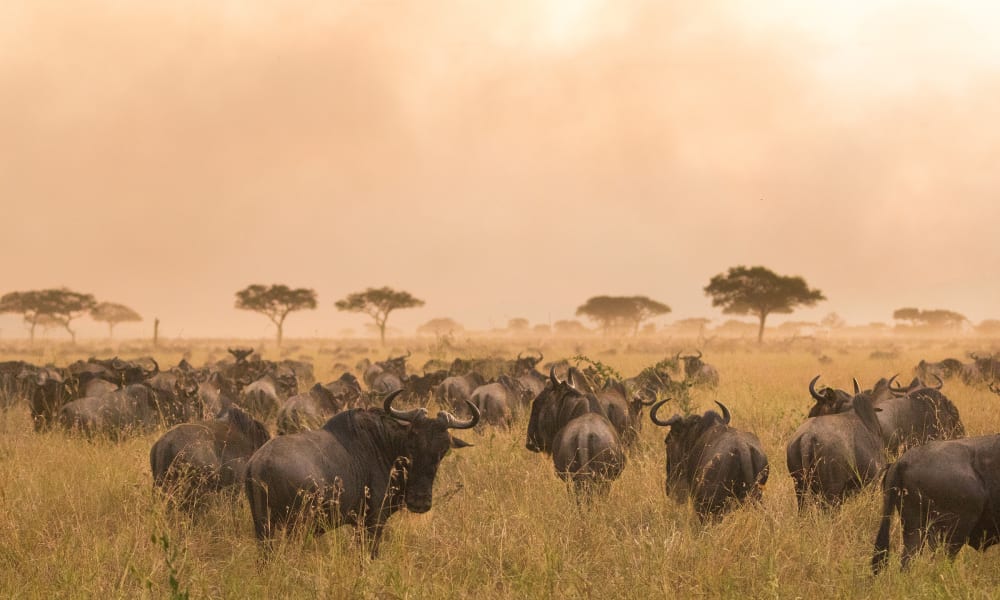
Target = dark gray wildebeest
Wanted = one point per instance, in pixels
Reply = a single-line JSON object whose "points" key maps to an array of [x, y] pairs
{"points": [[456, 390], [829, 401], [134, 408], [263, 398], [217, 393], [315, 407], [588, 452], [501, 401], [715, 465], [945, 369], [907, 415], [193, 459], [698, 372], [47, 392], [946, 492], [374, 372], [982, 369], [359, 468], [419, 388], [833, 456], [585, 445]]}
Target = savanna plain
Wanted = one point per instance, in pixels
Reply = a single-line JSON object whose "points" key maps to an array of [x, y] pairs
{"points": [[80, 518]]}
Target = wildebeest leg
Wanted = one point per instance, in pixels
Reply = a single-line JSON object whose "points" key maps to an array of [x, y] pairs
{"points": [[912, 519]]}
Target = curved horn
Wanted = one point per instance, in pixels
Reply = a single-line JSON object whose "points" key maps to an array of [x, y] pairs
{"points": [[540, 357], [519, 355], [725, 413], [857, 386], [402, 415], [552, 376], [893, 378], [669, 422], [812, 390], [699, 354], [156, 369], [677, 357], [454, 423]]}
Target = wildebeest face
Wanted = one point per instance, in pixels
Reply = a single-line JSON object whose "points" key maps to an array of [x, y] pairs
{"points": [[428, 441], [829, 401]]}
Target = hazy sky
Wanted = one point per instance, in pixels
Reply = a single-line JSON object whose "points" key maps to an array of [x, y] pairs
{"points": [[497, 159]]}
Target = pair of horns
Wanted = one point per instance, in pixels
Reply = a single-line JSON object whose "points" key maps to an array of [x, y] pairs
{"points": [[411, 415], [726, 417]]}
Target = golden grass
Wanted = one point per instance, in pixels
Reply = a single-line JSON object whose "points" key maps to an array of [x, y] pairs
{"points": [[78, 518]]}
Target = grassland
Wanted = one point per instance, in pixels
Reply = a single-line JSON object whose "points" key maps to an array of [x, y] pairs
{"points": [[78, 519]]}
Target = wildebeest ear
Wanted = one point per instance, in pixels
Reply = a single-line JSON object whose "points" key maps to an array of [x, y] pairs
{"points": [[460, 443]]}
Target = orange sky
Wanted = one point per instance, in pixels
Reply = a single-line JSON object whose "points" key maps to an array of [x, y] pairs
{"points": [[497, 159]]}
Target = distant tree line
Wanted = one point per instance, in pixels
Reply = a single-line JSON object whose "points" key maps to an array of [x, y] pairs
{"points": [[755, 291]]}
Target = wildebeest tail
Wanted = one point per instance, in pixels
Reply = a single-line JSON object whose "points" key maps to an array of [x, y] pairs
{"points": [[257, 497], [891, 484]]}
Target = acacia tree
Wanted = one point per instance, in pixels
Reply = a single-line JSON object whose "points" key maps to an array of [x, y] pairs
{"points": [[440, 326], [275, 302], [759, 291], [113, 314], [930, 318], [378, 303], [60, 306], [620, 311]]}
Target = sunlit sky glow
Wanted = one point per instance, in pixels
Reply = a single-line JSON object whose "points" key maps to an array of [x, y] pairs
{"points": [[498, 160]]}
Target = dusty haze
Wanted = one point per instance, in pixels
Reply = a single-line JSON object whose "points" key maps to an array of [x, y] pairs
{"points": [[497, 160]]}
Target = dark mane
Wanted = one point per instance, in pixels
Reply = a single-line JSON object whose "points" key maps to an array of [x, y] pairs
{"points": [[369, 428]]}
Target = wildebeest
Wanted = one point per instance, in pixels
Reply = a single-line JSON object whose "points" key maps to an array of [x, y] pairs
{"points": [[945, 369], [359, 468], [945, 492], [588, 452], [393, 366], [315, 407], [916, 414], [263, 398], [698, 372], [134, 408], [216, 393], [456, 390], [570, 425], [833, 456], [499, 402], [195, 458], [714, 464], [982, 369], [829, 401], [912, 415], [420, 387], [47, 392]]}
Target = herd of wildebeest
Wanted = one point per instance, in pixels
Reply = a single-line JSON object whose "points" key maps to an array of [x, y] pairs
{"points": [[348, 454]]}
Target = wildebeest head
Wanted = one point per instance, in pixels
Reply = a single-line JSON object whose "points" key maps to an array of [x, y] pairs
{"points": [[240, 354], [396, 366], [427, 442], [684, 433], [915, 385], [692, 364], [829, 401], [526, 363]]}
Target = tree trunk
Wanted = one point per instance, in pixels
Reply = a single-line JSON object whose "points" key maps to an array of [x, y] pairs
{"points": [[281, 331], [760, 332], [381, 331], [32, 332], [72, 334], [111, 330], [156, 331]]}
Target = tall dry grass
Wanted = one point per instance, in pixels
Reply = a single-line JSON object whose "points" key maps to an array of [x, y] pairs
{"points": [[78, 519]]}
